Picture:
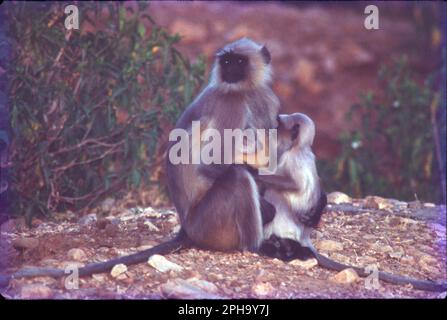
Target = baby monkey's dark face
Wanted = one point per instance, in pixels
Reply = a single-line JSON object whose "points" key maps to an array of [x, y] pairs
{"points": [[287, 133], [233, 67]]}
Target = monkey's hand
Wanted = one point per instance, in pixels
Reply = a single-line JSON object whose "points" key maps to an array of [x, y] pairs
{"points": [[253, 154]]}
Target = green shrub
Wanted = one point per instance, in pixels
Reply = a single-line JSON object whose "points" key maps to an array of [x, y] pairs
{"points": [[89, 110], [394, 152]]}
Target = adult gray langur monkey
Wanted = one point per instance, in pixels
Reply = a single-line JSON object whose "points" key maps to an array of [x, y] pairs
{"points": [[218, 204]]}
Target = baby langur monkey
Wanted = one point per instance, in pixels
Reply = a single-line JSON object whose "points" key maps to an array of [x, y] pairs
{"points": [[299, 200], [296, 194]]}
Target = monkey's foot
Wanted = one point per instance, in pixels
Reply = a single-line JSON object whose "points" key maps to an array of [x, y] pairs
{"points": [[285, 249]]}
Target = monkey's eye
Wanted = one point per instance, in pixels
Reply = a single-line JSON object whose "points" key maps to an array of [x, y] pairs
{"points": [[226, 61], [239, 61]]}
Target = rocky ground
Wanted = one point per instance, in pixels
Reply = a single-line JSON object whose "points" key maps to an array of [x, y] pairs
{"points": [[398, 237]]}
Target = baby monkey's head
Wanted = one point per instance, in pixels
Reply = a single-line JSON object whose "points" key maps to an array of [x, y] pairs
{"points": [[295, 130]]}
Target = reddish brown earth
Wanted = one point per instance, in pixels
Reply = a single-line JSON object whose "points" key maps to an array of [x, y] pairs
{"points": [[323, 57]]}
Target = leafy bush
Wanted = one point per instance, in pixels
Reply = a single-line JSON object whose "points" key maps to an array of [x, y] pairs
{"points": [[396, 151], [89, 110]]}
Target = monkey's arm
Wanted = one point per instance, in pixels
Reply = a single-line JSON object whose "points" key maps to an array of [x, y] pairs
{"points": [[278, 182]]}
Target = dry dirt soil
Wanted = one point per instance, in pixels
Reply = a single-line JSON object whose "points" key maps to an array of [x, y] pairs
{"points": [[394, 236]]}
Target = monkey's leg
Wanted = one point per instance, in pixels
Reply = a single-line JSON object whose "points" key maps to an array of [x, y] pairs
{"points": [[294, 250], [267, 211], [214, 171], [228, 217]]}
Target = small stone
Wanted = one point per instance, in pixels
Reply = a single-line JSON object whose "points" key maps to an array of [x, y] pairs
{"points": [[398, 205], [36, 291], [415, 204], [99, 277], [442, 295], [184, 289], [176, 229], [407, 260], [265, 276], [215, 277], [329, 245], [378, 247], [88, 219], [338, 198], [151, 226], [132, 226], [203, 284], [366, 260], [427, 263], [378, 203], [306, 264], [162, 264], [77, 254], [395, 255], [118, 269], [25, 243], [346, 276], [429, 205], [107, 204], [277, 261], [262, 289]]}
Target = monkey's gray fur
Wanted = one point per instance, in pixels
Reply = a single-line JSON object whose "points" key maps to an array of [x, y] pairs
{"points": [[219, 205], [298, 210]]}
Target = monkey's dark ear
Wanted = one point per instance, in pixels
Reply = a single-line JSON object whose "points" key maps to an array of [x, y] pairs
{"points": [[266, 55], [295, 131]]}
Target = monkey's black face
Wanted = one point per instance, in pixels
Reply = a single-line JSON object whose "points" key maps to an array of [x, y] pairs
{"points": [[295, 131], [233, 67]]}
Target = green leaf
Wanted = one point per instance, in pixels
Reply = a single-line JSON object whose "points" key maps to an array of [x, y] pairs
{"points": [[141, 30]]}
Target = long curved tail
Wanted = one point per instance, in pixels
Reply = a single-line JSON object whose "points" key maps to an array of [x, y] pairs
{"points": [[179, 242], [425, 285]]}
